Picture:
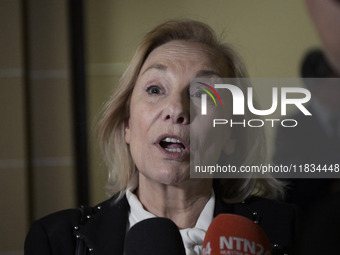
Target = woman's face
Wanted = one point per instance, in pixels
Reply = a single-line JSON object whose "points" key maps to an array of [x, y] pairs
{"points": [[158, 127]]}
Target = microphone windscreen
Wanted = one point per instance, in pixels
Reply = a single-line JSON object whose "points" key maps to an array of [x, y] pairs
{"points": [[154, 236], [233, 234]]}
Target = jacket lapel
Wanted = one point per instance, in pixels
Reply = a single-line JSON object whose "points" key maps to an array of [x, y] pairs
{"points": [[221, 207]]}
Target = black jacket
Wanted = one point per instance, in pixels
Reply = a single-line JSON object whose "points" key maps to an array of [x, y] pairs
{"points": [[103, 227]]}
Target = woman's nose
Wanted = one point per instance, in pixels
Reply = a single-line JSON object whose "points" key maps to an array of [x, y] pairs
{"points": [[177, 110]]}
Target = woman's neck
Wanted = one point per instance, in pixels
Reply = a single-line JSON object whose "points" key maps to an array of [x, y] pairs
{"points": [[182, 204]]}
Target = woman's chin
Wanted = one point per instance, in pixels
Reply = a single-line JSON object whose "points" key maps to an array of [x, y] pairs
{"points": [[171, 177]]}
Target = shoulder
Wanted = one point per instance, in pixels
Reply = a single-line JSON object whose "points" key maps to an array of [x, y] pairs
{"points": [[61, 218], [56, 233], [54, 230]]}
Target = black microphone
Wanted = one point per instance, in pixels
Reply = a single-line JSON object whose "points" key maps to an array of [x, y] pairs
{"points": [[154, 236]]}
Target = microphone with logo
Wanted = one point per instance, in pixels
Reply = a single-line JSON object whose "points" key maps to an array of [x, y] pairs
{"points": [[231, 234], [154, 236]]}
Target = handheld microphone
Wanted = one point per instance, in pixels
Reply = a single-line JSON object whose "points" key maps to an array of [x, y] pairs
{"points": [[154, 236], [231, 234]]}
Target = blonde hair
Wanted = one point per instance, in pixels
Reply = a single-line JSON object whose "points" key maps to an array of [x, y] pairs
{"points": [[111, 128]]}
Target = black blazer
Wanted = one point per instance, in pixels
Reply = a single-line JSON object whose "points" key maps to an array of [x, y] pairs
{"points": [[105, 227]]}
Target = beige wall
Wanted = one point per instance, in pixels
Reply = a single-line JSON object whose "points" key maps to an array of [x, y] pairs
{"points": [[270, 35], [13, 176], [50, 95], [51, 178]]}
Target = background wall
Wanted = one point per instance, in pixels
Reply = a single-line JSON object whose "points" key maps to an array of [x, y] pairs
{"points": [[36, 155], [13, 198], [37, 173], [271, 36]]}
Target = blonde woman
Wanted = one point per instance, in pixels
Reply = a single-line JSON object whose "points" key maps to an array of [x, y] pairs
{"points": [[144, 137]]}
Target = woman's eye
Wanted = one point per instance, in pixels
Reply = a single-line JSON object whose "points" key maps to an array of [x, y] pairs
{"points": [[154, 90], [198, 93]]}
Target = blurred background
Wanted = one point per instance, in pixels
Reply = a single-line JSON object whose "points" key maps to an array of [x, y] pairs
{"points": [[59, 62]]}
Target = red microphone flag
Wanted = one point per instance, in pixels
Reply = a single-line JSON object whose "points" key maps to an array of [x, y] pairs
{"points": [[231, 234]]}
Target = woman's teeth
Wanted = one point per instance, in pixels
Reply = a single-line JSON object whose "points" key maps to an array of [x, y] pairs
{"points": [[172, 144], [171, 140], [174, 150]]}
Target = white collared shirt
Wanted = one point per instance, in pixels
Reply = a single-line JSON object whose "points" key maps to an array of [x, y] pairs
{"points": [[192, 237]]}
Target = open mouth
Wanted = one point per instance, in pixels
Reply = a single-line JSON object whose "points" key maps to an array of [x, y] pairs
{"points": [[171, 144]]}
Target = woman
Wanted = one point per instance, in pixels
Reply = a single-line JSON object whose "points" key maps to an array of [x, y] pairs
{"points": [[144, 136]]}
